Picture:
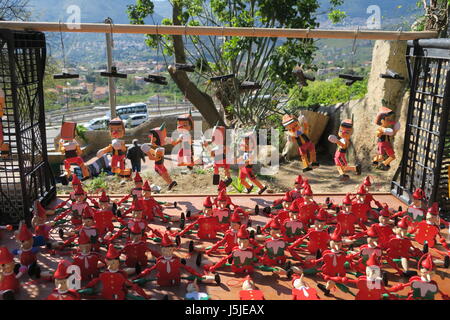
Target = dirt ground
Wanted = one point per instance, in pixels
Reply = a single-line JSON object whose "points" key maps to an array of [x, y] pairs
{"points": [[199, 181]]}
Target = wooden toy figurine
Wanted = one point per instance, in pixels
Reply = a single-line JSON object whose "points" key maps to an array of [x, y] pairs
{"points": [[9, 283], [219, 154], [246, 170], [104, 218], [62, 291], [301, 291], [76, 209], [152, 208], [89, 262], [114, 282], [117, 147], [168, 266], [422, 286], [306, 148], [250, 291], [305, 206], [417, 210], [345, 132], [185, 126], [229, 241], [27, 253], [155, 151], [427, 231], [42, 227], [71, 150], [347, 219], [136, 191], [387, 128]]}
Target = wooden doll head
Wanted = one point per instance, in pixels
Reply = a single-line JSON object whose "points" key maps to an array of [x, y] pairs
{"points": [[290, 123], [68, 131], [85, 248], [112, 264], [346, 129], [385, 118], [116, 128], [184, 122]]}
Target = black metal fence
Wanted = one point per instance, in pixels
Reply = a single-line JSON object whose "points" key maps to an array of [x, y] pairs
{"points": [[426, 151], [25, 174]]}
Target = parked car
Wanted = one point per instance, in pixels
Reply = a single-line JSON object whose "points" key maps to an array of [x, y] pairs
{"points": [[135, 120], [97, 124]]}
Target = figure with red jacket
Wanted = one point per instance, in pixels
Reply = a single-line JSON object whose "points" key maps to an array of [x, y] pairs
{"points": [[62, 291], [301, 291], [135, 251], [117, 147], [27, 253], [247, 161], [387, 129], [71, 150], [401, 248], [136, 191], [371, 285], [360, 208], [89, 262], [369, 197], [422, 286], [229, 240], [282, 211], [155, 151], [427, 231], [208, 224], [333, 263], [222, 211], [305, 206], [42, 227], [75, 210], [219, 153], [318, 237], [168, 267], [347, 219], [9, 282], [417, 210], [343, 142], [114, 282], [250, 291], [186, 152], [383, 229], [152, 208], [274, 246], [105, 217], [292, 228], [88, 227]]}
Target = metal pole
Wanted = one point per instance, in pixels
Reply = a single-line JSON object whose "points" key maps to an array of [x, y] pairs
{"points": [[111, 83]]}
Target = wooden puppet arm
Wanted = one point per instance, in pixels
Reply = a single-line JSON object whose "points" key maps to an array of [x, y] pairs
{"points": [[191, 270], [123, 199], [398, 214], [220, 263], [258, 247], [345, 280], [79, 151], [114, 237], [137, 289], [94, 202], [299, 241], [154, 253], [294, 254], [358, 235], [62, 204], [156, 232], [443, 242], [93, 283], [361, 224], [217, 245], [267, 224], [189, 227], [145, 272], [399, 287], [63, 215], [444, 296], [104, 151]]}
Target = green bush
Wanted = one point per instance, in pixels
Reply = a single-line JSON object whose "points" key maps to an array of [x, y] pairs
{"points": [[98, 183], [326, 93]]}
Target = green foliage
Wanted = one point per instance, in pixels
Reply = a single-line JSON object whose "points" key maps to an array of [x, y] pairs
{"points": [[81, 132], [337, 16], [98, 182], [237, 185], [326, 93]]}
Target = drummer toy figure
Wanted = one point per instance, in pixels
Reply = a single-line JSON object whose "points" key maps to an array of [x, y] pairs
{"points": [[306, 148], [345, 132]]}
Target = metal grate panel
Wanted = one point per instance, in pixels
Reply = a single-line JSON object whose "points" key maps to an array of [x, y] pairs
{"points": [[25, 175]]}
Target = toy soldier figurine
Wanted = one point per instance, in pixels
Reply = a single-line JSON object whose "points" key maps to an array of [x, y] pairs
{"points": [[27, 253], [359, 206], [318, 236], [155, 151], [371, 285], [219, 154], [246, 170], [75, 209], [416, 211], [230, 237], [305, 206], [9, 284], [306, 148], [249, 290], [208, 225], [186, 152], [62, 291], [387, 129], [117, 147], [222, 212], [301, 291], [369, 197], [136, 191], [88, 227], [71, 150], [428, 230], [85, 259], [226, 199], [42, 227], [105, 216], [274, 246], [422, 287], [345, 132], [114, 281], [168, 266], [347, 219], [400, 247]]}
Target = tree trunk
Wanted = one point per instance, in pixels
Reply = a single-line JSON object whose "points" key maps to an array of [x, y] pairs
{"points": [[201, 100]]}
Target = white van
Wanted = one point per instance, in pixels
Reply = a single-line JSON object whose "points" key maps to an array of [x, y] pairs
{"points": [[124, 112]]}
